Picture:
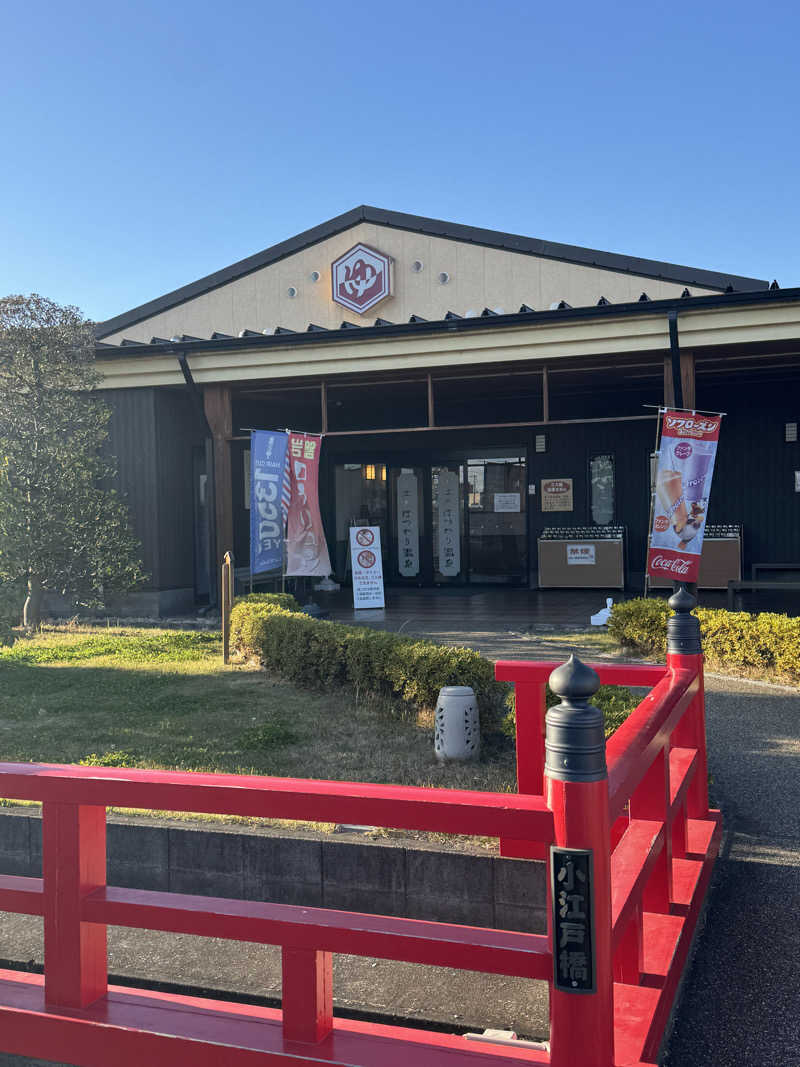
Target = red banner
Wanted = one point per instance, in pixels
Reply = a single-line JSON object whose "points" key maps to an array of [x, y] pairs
{"points": [[306, 547], [683, 486]]}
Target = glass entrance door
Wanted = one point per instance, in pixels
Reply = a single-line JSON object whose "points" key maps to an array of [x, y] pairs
{"points": [[497, 540]]}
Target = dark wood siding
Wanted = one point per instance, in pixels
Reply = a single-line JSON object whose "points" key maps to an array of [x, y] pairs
{"points": [[132, 441], [178, 430]]}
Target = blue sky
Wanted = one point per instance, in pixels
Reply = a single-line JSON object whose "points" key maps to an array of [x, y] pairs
{"points": [[145, 145]]}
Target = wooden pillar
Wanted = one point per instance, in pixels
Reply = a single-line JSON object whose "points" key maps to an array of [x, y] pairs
{"points": [[545, 395], [669, 386], [688, 379], [323, 403], [431, 409], [219, 413]]}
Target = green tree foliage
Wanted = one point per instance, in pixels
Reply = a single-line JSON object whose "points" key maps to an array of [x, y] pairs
{"points": [[63, 527]]}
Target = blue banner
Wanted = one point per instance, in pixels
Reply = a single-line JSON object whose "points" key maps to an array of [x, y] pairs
{"points": [[267, 464]]}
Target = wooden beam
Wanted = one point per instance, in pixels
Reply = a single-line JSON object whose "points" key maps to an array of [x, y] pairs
{"points": [[323, 400], [669, 387], [219, 412], [688, 379]]}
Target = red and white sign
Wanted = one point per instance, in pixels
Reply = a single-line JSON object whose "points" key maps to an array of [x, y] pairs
{"points": [[683, 486], [306, 547], [581, 555], [365, 556], [361, 278]]}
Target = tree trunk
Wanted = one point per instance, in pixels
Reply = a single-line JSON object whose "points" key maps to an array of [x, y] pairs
{"points": [[31, 613]]}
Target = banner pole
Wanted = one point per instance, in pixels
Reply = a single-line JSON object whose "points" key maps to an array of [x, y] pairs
{"points": [[659, 420]]}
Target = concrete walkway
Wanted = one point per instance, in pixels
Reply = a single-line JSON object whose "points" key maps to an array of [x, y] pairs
{"points": [[740, 1001]]}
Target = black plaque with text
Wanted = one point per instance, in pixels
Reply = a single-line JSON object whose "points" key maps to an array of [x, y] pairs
{"points": [[573, 920]]}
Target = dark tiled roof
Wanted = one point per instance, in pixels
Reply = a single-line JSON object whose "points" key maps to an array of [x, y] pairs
{"points": [[560, 311], [452, 231]]}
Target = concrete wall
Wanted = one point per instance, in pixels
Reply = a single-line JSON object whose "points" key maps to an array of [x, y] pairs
{"points": [[478, 277], [316, 871]]}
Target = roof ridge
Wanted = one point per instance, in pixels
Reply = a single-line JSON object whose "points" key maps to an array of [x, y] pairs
{"points": [[453, 231]]}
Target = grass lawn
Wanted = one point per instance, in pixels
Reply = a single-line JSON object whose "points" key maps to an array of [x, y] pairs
{"points": [[162, 698]]}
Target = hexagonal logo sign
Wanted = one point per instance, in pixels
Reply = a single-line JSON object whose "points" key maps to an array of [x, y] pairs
{"points": [[361, 278]]}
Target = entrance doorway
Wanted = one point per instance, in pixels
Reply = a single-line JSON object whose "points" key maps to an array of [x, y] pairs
{"points": [[448, 521]]}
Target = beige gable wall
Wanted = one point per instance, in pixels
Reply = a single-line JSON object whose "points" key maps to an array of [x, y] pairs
{"points": [[479, 277]]}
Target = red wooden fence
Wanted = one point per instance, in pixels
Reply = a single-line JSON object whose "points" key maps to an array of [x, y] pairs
{"points": [[648, 825]]}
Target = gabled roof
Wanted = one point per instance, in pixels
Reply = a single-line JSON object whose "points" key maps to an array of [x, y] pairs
{"points": [[451, 231]]}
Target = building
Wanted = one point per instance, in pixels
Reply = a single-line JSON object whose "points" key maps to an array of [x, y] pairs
{"points": [[489, 366]]}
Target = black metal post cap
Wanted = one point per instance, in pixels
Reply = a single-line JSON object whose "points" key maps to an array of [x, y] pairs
{"points": [[683, 628], [575, 743]]}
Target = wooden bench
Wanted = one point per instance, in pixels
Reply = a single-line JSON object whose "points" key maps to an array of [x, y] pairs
{"points": [[760, 584]]}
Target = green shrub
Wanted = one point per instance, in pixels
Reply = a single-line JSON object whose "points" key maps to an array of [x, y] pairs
{"points": [[615, 701], [765, 643], [318, 654], [116, 758]]}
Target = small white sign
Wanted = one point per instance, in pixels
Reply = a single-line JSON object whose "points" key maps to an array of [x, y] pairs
{"points": [[506, 502], [580, 554], [365, 555]]}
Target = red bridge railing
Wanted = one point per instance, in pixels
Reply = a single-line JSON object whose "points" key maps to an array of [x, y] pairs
{"points": [[644, 830]]}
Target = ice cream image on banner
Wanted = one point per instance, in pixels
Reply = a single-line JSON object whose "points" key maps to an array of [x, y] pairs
{"points": [[696, 461]]}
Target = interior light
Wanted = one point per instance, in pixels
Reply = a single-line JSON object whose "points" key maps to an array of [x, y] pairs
{"points": [[369, 472]]}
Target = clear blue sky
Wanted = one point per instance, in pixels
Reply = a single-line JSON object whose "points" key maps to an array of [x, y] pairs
{"points": [[145, 145]]}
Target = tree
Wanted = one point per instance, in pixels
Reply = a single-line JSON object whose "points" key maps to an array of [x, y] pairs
{"points": [[63, 527]]}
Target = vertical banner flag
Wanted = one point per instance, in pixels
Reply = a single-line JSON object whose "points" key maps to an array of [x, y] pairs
{"points": [[683, 486], [408, 524], [306, 547], [449, 524], [365, 556], [267, 459]]}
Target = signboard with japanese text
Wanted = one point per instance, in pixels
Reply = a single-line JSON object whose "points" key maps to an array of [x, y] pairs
{"points": [[448, 508], [306, 547], [682, 489], [557, 494], [506, 502], [408, 524], [367, 565], [573, 920], [267, 464], [581, 555]]}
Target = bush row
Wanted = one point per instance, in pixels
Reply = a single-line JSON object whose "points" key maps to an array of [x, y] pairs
{"points": [[764, 643], [317, 654]]}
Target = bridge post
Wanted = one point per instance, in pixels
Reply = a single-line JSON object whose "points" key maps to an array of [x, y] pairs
{"points": [[576, 783], [685, 650]]}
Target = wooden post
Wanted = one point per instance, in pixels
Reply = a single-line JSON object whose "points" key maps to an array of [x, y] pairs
{"points": [[669, 384], [688, 379], [323, 404], [431, 409], [307, 1000], [545, 395], [576, 782], [529, 699], [219, 413], [73, 865]]}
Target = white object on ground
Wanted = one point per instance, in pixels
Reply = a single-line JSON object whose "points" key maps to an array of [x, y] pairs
{"points": [[457, 733], [602, 617], [327, 585]]}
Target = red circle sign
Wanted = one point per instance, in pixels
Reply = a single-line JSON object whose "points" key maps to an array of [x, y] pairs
{"points": [[365, 537], [366, 559]]}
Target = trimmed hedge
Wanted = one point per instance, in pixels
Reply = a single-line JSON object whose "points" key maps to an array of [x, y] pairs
{"points": [[317, 654], [764, 643]]}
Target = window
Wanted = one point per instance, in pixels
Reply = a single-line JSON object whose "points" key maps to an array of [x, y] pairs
{"points": [[601, 489]]}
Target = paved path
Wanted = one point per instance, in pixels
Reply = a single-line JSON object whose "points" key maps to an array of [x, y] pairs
{"points": [[741, 1000]]}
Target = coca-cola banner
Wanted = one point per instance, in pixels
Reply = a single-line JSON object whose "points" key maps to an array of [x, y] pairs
{"points": [[683, 486], [306, 548]]}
